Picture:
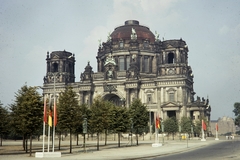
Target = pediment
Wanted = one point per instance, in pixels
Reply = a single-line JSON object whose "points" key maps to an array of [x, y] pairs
{"points": [[170, 104], [169, 46], [55, 57]]}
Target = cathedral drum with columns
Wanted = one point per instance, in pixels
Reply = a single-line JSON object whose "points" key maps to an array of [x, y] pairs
{"points": [[132, 63]]}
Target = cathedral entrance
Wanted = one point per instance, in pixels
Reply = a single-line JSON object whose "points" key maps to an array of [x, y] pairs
{"points": [[114, 99]]}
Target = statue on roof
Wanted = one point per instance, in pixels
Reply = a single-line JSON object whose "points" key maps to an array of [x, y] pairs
{"points": [[109, 38], [99, 42], [109, 59], [134, 34], [156, 36]]}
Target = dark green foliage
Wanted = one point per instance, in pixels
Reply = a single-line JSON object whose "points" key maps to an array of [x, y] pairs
{"points": [[186, 125], [197, 128], [120, 121], [84, 111], [68, 112], [27, 112], [171, 126], [100, 117], [236, 111], [139, 115], [67, 108], [4, 122], [99, 112]]}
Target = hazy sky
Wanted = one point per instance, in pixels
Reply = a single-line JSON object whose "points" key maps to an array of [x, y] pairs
{"points": [[211, 29]]}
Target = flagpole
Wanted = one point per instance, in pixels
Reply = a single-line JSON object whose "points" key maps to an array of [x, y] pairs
{"points": [[48, 136], [53, 125], [43, 135], [44, 122], [54, 112], [156, 129], [216, 132], [203, 138], [157, 121]]}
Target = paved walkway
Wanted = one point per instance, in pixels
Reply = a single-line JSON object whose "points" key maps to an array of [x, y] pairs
{"points": [[126, 151]]}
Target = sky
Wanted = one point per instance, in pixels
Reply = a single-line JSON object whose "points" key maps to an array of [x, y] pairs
{"points": [[211, 29]]}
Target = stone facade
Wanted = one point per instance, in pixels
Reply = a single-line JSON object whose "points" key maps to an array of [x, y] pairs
{"points": [[226, 125], [133, 63]]}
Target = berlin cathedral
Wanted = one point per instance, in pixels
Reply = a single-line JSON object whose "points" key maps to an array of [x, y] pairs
{"points": [[132, 63]]}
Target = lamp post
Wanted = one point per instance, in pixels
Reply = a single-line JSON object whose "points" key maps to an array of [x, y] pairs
{"points": [[131, 129], [192, 130], [180, 130], [84, 131], [150, 123]]}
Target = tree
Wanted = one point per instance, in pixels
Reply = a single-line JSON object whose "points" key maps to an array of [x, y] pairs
{"points": [[97, 122], [186, 124], [106, 117], [84, 112], [67, 109], [198, 127], [236, 111], [120, 121], [27, 112], [4, 121], [171, 126], [139, 115]]}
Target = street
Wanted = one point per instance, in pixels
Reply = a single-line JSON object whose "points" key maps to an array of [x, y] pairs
{"points": [[224, 150]]}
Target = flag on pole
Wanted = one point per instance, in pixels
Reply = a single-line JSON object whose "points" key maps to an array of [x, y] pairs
{"points": [[216, 127], [157, 122], [50, 118], [204, 126], [55, 113], [45, 111]]}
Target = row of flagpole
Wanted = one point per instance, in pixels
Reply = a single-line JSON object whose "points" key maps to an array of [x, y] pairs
{"points": [[48, 120], [204, 128]]}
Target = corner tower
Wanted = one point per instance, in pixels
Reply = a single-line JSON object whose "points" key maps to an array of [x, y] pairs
{"points": [[60, 64]]}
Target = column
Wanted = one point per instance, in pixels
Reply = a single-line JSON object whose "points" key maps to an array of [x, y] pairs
{"points": [[127, 98], [164, 58], [150, 64], [159, 98], [141, 63], [136, 93], [81, 97], [177, 56]]}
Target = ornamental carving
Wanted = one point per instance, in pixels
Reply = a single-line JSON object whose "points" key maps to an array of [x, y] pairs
{"points": [[109, 88]]}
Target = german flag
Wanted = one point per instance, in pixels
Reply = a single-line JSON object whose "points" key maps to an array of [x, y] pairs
{"points": [[50, 118]]}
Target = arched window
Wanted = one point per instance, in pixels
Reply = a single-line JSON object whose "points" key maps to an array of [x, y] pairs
{"points": [[146, 64], [171, 97], [121, 45], [128, 62], [145, 44], [149, 98], [55, 67], [121, 63], [70, 68], [170, 58]]}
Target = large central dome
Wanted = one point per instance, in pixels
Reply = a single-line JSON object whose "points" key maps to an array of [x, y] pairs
{"points": [[124, 32]]}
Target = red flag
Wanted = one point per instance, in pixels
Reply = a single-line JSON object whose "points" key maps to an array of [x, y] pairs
{"points": [[157, 122], [216, 127], [204, 126], [55, 113], [45, 112]]}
